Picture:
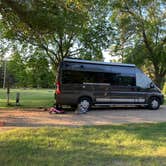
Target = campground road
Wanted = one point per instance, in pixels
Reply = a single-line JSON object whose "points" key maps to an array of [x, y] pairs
{"points": [[38, 117]]}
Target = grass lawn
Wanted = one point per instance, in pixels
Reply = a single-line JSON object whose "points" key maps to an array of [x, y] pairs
{"points": [[29, 97], [122, 145]]}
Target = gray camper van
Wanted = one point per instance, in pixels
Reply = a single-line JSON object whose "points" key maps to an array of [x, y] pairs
{"points": [[91, 83]]}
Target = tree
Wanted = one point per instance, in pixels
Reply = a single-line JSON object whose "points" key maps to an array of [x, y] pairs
{"points": [[32, 71], [39, 71], [59, 27], [141, 36], [45, 24], [17, 69], [98, 34], [1, 76]]}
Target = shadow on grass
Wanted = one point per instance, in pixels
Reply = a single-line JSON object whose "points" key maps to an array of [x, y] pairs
{"points": [[146, 131], [50, 148]]}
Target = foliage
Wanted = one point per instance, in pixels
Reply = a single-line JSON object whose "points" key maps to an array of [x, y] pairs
{"points": [[32, 71], [140, 34], [164, 89], [81, 28], [133, 144], [1, 75], [40, 72], [16, 67], [59, 27], [97, 35]]}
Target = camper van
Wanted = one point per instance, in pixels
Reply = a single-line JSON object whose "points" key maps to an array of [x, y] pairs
{"points": [[92, 83]]}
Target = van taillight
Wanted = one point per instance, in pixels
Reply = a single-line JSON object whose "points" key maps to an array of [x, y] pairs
{"points": [[58, 91]]}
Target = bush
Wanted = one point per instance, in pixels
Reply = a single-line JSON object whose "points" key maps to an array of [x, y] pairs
{"points": [[164, 88]]}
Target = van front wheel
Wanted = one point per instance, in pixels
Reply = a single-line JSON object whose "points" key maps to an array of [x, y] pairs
{"points": [[154, 103], [85, 103]]}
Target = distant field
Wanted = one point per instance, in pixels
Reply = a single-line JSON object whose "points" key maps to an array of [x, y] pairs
{"points": [[122, 145], [29, 97]]}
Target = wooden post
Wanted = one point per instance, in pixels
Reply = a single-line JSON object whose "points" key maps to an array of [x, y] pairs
{"points": [[17, 99], [4, 75]]}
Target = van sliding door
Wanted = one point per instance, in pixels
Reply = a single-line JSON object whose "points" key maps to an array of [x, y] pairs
{"points": [[122, 94], [122, 88]]}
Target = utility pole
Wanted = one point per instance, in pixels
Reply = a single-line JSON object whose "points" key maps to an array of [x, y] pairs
{"points": [[4, 75]]}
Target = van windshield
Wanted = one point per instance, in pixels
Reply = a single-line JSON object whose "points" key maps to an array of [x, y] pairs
{"points": [[142, 80]]}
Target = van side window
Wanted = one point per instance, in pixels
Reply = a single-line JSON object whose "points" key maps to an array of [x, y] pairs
{"points": [[118, 79], [126, 80], [78, 77], [110, 78]]}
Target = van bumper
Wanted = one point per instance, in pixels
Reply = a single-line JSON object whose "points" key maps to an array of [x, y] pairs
{"points": [[65, 99]]}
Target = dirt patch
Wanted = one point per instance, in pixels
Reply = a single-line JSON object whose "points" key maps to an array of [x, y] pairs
{"points": [[38, 117]]}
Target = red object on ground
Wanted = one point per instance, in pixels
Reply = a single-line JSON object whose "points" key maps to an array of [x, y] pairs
{"points": [[2, 123], [56, 111]]}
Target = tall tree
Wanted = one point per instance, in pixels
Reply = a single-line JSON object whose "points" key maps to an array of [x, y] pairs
{"points": [[59, 27], [1, 76], [98, 33], [17, 69], [40, 73], [142, 33]]}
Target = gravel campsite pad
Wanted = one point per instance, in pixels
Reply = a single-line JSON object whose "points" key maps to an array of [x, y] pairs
{"points": [[38, 117]]}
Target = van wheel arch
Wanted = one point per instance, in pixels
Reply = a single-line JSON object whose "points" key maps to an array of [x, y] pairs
{"points": [[87, 97]]}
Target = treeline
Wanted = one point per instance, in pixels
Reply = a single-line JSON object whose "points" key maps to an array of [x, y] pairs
{"points": [[133, 31], [32, 72]]}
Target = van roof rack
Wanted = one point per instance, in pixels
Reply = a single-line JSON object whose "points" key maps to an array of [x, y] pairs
{"points": [[97, 62]]}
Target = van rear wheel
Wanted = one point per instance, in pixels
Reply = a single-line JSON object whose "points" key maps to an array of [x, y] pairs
{"points": [[73, 107], [154, 103], [85, 103]]}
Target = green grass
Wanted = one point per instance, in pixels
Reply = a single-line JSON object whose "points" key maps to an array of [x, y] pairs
{"points": [[29, 97], [124, 145]]}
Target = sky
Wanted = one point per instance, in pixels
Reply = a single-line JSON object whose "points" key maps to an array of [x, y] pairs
{"points": [[107, 57]]}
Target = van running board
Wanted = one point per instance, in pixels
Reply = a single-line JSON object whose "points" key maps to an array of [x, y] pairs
{"points": [[121, 104]]}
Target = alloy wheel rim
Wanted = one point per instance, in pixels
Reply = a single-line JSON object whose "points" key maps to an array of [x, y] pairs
{"points": [[154, 104], [84, 104]]}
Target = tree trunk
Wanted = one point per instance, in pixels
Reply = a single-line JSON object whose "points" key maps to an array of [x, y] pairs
{"points": [[8, 95], [159, 80]]}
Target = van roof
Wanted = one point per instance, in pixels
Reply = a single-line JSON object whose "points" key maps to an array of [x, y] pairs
{"points": [[97, 62]]}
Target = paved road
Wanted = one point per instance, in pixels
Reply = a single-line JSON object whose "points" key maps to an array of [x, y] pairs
{"points": [[36, 118]]}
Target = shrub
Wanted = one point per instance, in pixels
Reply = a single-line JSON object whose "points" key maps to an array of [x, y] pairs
{"points": [[164, 88]]}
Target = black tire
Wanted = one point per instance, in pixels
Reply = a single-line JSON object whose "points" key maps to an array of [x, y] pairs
{"points": [[58, 107], [85, 102], [154, 103], [73, 107]]}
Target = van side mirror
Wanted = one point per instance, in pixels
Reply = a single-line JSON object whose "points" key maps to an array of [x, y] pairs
{"points": [[138, 88], [151, 85]]}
